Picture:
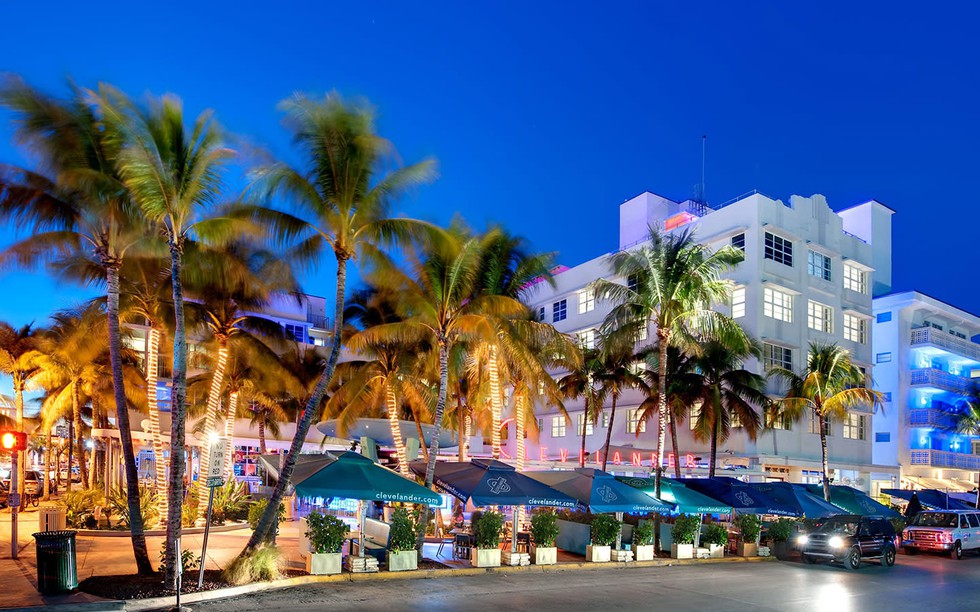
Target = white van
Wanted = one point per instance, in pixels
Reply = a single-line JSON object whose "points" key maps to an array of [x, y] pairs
{"points": [[951, 531]]}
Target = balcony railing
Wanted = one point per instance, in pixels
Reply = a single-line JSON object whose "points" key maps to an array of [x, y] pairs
{"points": [[928, 335], [941, 380], [929, 417], [318, 321], [945, 459]]}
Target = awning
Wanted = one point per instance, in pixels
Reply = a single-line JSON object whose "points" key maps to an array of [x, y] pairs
{"points": [[354, 476], [805, 503], [674, 492], [852, 501], [740, 496], [487, 482], [600, 491], [930, 498]]}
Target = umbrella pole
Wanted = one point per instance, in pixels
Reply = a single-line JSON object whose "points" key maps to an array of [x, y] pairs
{"points": [[619, 536], [513, 533], [360, 526], [697, 534]]}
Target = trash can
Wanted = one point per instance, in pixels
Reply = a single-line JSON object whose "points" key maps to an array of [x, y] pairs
{"points": [[52, 518], [57, 571]]}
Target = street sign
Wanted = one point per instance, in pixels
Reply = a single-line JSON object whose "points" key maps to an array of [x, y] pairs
{"points": [[217, 464], [216, 482]]}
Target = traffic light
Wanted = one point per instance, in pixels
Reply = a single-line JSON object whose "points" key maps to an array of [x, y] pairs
{"points": [[11, 441]]}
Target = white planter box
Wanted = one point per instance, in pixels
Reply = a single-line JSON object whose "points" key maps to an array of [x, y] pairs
{"points": [[748, 550], [403, 561], [485, 557], [323, 564], [304, 542], [517, 559], [682, 551], [716, 551], [545, 556], [598, 554], [621, 556], [644, 552]]}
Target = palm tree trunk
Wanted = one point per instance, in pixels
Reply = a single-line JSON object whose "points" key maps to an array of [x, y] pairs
{"points": [[159, 463], [47, 464], [267, 521], [673, 441], [823, 456], [210, 422], [495, 401], [418, 430], [262, 435], [663, 336], [396, 431], [612, 419], [178, 413], [585, 424], [19, 416], [520, 414], [228, 471], [713, 457], [461, 425], [430, 468], [76, 406]]}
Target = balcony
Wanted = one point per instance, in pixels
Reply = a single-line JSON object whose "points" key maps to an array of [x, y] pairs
{"points": [[939, 379], [318, 321], [929, 417], [928, 335], [945, 459]]}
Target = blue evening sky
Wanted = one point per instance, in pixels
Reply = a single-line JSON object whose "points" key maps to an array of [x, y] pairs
{"points": [[546, 116]]}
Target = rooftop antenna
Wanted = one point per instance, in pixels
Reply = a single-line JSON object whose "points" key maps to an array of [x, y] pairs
{"points": [[704, 141]]}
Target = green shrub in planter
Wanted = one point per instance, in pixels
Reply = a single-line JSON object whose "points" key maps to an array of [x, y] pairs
{"points": [[326, 533], [402, 534], [749, 527], [715, 534], [118, 503], [604, 529], [685, 529], [544, 529], [486, 529], [643, 534], [79, 506], [781, 530]]}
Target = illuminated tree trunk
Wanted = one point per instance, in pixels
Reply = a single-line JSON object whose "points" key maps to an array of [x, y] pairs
{"points": [[391, 405], [823, 453], [496, 404], [159, 463], [76, 406], [673, 442], [520, 416], [228, 470], [19, 407], [663, 336], [210, 423], [47, 464]]}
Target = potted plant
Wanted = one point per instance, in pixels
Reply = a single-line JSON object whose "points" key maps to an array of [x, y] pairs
{"points": [[780, 532], [683, 533], [603, 533], [402, 554], [544, 530], [486, 533], [749, 527], [643, 536], [716, 537], [327, 534]]}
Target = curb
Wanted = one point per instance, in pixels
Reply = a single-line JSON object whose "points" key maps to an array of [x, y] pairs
{"points": [[156, 603], [152, 533]]}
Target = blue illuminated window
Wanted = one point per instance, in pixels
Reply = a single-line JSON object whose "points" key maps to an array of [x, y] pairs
{"points": [[883, 436], [884, 317]]}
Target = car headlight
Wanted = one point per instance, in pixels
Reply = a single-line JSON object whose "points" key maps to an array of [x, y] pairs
{"points": [[905, 535], [835, 542], [802, 540]]}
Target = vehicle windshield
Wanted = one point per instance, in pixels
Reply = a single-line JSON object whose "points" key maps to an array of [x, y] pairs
{"points": [[935, 519], [845, 527]]}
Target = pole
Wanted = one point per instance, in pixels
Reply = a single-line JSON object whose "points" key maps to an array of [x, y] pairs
{"points": [[513, 533], [697, 534], [360, 527], [14, 502], [71, 446], [179, 573], [204, 547], [619, 536]]}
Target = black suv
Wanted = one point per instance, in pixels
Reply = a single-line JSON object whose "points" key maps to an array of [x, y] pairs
{"points": [[850, 539]]}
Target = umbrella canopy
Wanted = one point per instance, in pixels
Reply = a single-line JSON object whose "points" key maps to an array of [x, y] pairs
{"points": [[354, 476], [305, 465], [674, 492], [805, 503], [740, 496], [930, 498], [600, 491], [487, 482], [853, 501]]}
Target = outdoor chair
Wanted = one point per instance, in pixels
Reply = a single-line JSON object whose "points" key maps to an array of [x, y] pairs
{"points": [[462, 546]]}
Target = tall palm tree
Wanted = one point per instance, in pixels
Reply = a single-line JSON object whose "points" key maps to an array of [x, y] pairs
{"points": [[671, 283], [580, 381], [76, 205], [967, 419], [681, 391], [829, 387], [174, 176], [618, 373], [340, 201], [16, 346]]}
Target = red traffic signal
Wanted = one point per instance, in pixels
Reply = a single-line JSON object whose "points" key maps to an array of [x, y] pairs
{"points": [[13, 441]]}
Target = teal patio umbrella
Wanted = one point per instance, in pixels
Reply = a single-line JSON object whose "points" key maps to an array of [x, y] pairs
{"points": [[688, 501], [853, 501], [600, 491]]}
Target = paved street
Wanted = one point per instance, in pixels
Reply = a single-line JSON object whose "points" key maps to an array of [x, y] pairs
{"points": [[915, 583]]}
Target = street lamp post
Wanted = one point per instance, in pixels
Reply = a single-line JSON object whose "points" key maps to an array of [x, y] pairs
{"points": [[14, 442]]}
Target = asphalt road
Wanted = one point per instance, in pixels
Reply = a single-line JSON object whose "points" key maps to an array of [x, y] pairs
{"points": [[922, 583]]}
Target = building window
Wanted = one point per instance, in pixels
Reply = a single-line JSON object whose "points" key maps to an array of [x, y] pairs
{"points": [[775, 356], [883, 357], [820, 317], [318, 342], [558, 427], [559, 311], [855, 278], [734, 421], [854, 427], [541, 314], [777, 420], [777, 305], [296, 331], [779, 249], [587, 423], [586, 301], [632, 282], [814, 425], [605, 419], [883, 436], [695, 414], [738, 302], [855, 329], [633, 422], [586, 338], [818, 264], [738, 241], [884, 317]]}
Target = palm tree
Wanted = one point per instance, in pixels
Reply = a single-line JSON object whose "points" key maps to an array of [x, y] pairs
{"points": [[617, 374], [671, 283], [579, 381], [829, 387], [77, 206], [967, 419], [341, 203], [681, 391], [173, 176], [16, 346]]}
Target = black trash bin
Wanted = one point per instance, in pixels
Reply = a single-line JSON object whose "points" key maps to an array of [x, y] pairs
{"points": [[57, 570]]}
